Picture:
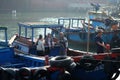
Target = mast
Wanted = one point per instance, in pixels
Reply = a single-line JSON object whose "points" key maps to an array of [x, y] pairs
{"points": [[88, 37]]}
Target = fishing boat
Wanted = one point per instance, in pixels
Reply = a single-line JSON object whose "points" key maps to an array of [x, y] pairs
{"points": [[21, 61], [77, 29], [23, 64], [14, 66], [23, 43]]}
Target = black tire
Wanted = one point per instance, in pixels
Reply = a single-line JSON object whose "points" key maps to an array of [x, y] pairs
{"points": [[9, 74], [24, 74], [1, 73], [61, 61], [116, 70], [88, 63], [41, 74], [65, 76], [116, 75]]}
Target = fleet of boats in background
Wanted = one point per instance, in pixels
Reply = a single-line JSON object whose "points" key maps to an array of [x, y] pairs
{"points": [[18, 59], [78, 29]]}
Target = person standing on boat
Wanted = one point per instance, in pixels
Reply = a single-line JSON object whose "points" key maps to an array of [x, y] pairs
{"points": [[40, 46], [99, 42], [63, 44], [115, 41], [48, 43]]}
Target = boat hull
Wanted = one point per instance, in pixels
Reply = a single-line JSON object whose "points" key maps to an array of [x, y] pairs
{"points": [[82, 37]]}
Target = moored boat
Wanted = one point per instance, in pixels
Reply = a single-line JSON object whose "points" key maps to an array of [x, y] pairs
{"points": [[96, 66], [78, 65], [26, 44], [77, 29], [17, 67]]}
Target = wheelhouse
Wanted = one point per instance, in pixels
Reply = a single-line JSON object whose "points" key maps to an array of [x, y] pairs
{"points": [[24, 43], [36, 25]]}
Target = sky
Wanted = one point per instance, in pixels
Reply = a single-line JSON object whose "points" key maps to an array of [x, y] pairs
{"points": [[47, 4]]}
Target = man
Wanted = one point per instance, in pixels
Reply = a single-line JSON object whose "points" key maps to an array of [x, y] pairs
{"points": [[63, 44], [115, 41], [99, 42], [48, 43]]}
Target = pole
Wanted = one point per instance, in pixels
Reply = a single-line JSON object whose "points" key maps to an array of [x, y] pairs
{"points": [[88, 38]]}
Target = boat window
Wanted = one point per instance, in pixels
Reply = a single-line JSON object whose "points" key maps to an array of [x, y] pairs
{"points": [[3, 42]]}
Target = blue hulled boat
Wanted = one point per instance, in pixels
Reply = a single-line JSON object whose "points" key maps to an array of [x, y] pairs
{"points": [[26, 43], [16, 66], [77, 29], [21, 62]]}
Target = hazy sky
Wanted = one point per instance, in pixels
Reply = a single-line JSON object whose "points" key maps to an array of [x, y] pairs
{"points": [[46, 4]]}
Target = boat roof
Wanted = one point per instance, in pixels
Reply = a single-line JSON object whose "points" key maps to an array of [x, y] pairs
{"points": [[72, 18], [39, 25], [99, 15], [98, 12], [34, 25]]}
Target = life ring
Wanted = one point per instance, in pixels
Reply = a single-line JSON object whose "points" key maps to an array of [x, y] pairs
{"points": [[9, 74], [24, 74], [61, 61], [88, 63], [41, 74]]}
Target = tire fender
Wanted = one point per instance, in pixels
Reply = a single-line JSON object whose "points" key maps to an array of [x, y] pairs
{"points": [[88, 63], [61, 61], [41, 74], [24, 74], [9, 74]]}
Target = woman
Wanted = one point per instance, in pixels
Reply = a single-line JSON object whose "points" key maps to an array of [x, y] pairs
{"points": [[40, 46]]}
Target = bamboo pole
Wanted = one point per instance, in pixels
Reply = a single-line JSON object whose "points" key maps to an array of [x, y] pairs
{"points": [[88, 37]]}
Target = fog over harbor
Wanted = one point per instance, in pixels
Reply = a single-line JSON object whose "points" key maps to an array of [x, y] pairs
{"points": [[49, 5]]}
